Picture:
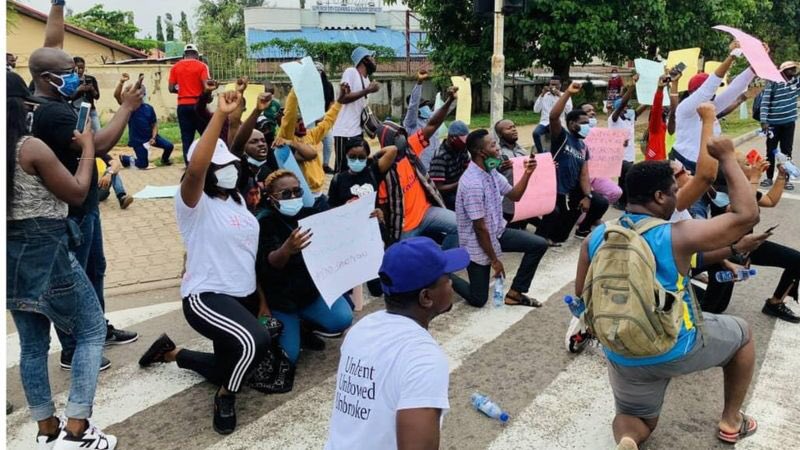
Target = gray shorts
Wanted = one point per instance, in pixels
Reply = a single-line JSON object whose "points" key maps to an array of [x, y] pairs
{"points": [[639, 391]]}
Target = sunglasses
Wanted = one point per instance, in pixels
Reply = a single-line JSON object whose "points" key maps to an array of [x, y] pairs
{"points": [[358, 158], [288, 194]]}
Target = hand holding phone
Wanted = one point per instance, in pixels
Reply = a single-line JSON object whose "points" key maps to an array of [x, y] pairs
{"points": [[83, 116], [139, 81], [753, 157]]}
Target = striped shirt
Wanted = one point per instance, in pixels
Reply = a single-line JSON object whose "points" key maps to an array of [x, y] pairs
{"points": [[779, 102], [480, 196]]}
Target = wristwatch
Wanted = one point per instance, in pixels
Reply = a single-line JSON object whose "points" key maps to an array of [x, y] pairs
{"points": [[589, 195]]}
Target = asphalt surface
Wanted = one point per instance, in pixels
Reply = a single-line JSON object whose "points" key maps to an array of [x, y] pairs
{"points": [[516, 355]]}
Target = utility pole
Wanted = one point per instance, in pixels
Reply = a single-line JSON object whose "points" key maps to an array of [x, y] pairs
{"points": [[498, 65]]}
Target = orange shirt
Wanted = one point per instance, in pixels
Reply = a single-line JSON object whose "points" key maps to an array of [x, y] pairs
{"points": [[415, 202], [189, 75]]}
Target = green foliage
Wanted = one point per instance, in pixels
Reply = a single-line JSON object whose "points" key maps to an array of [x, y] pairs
{"points": [[186, 33], [335, 55], [779, 26], [159, 30], [170, 27], [115, 25], [220, 25]]}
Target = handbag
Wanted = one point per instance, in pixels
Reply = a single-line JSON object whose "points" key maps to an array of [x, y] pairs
{"points": [[369, 123]]}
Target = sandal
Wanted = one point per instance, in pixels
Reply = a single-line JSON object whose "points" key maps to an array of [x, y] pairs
{"points": [[523, 300], [747, 428]]}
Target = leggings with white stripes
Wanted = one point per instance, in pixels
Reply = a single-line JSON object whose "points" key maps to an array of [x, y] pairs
{"points": [[240, 341]]}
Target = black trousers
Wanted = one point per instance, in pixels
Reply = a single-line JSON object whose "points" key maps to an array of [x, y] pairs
{"points": [[557, 225], [189, 122], [782, 135], [770, 254], [240, 341], [623, 200]]}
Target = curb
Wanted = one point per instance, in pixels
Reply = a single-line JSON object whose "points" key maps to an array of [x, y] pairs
{"points": [[739, 140], [142, 287]]}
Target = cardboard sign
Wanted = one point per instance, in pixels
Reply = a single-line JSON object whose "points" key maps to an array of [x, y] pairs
{"points": [[308, 87], [539, 198], [464, 104], [606, 150], [688, 56], [755, 53], [649, 73]]}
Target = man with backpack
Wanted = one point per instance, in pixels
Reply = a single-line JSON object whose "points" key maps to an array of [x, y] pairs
{"points": [[633, 275]]}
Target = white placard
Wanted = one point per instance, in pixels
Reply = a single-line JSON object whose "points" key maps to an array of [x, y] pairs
{"points": [[346, 248]]}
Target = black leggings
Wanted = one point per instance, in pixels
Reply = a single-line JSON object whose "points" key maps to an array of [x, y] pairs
{"points": [[240, 341], [718, 295]]}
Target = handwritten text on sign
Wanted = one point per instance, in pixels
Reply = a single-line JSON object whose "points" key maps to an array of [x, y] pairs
{"points": [[539, 198], [606, 149], [346, 249]]}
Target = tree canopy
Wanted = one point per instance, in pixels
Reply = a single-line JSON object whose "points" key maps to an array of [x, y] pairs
{"points": [[115, 25]]}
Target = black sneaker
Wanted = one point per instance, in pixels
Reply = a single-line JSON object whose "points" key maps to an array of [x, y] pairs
{"points": [[310, 341], [582, 234], [66, 362], [166, 162], [119, 337], [224, 413], [125, 201], [155, 354], [781, 311]]}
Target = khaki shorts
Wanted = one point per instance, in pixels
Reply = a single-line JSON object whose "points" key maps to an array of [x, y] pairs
{"points": [[639, 391]]}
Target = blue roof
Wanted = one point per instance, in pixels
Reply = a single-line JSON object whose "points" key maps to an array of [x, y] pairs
{"points": [[386, 37]]}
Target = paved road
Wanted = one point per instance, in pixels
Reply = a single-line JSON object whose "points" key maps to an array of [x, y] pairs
{"points": [[514, 354]]}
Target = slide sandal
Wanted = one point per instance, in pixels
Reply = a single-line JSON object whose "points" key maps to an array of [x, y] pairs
{"points": [[523, 300], [748, 427]]}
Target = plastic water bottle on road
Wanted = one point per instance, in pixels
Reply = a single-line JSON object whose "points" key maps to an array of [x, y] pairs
{"points": [[726, 276], [576, 305], [483, 404], [497, 292], [788, 165]]}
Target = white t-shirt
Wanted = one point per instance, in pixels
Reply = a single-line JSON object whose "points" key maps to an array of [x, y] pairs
{"points": [[348, 124], [679, 216], [630, 127], [388, 363], [221, 240]]}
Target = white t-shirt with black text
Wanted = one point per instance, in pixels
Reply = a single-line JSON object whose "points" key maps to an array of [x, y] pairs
{"points": [[221, 241], [388, 363], [348, 123]]}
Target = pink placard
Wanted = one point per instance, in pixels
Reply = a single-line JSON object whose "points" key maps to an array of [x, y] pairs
{"points": [[606, 150], [540, 196], [753, 50]]}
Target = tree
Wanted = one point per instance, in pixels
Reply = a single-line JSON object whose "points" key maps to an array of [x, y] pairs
{"points": [[159, 30], [183, 25], [115, 25], [170, 27], [220, 25], [335, 55], [778, 26]]}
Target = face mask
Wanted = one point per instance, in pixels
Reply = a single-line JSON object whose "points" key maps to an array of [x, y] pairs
{"points": [[721, 200], [290, 207], [614, 75], [584, 131], [425, 112], [592, 122], [255, 162], [356, 165], [69, 83], [491, 163], [227, 177]]}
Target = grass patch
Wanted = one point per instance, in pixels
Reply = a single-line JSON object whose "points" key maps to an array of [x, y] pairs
{"points": [[519, 118]]}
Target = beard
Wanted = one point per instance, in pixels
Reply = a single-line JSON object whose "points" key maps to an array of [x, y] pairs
{"points": [[371, 67]]}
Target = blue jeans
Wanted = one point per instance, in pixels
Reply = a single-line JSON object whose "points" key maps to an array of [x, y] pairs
{"points": [[190, 122], [327, 149], [538, 132], [143, 155], [335, 319], [116, 184], [437, 222], [91, 257], [88, 336]]}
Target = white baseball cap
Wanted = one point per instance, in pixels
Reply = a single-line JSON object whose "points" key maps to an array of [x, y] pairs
{"points": [[221, 155], [190, 48]]}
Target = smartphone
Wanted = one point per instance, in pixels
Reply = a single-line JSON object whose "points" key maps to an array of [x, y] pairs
{"points": [[753, 157], [139, 81], [83, 113], [769, 230], [680, 67]]}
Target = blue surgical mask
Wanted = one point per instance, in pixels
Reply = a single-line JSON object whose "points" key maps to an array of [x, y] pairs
{"points": [[425, 112], [290, 207], [356, 165], [592, 122], [584, 131], [255, 162], [721, 200], [69, 83]]}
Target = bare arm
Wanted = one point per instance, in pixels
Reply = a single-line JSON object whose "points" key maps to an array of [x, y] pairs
{"points": [[583, 268], [673, 104], [118, 89], [246, 130], [558, 108], [706, 165], [623, 105], [387, 158], [410, 120], [418, 428], [446, 187], [36, 157], [586, 185], [484, 240], [518, 190], [438, 117], [107, 137], [54, 30], [771, 199]]}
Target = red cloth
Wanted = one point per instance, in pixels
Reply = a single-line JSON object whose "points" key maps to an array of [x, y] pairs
{"points": [[657, 130], [189, 75]]}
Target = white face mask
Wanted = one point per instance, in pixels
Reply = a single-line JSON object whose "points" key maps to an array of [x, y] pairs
{"points": [[255, 162], [227, 177]]}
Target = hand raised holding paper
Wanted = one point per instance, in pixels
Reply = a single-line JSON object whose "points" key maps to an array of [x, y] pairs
{"points": [[297, 241], [530, 165]]}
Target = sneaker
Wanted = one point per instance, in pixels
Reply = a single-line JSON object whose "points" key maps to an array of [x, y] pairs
{"points": [[119, 337], [92, 438], [166, 162], [781, 311], [47, 441], [310, 341], [224, 413], [155, 354], [766, 182], [125, 201], [788, 186], [125, 160], [327, 335], [66, 362], [582, 234]]}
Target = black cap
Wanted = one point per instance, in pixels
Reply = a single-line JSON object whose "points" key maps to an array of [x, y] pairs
{"points": [[16, 88]]}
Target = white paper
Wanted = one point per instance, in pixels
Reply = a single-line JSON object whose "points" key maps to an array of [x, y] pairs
{"points": [[346, 248], [649, 73], [157, 192], [308, 88]]}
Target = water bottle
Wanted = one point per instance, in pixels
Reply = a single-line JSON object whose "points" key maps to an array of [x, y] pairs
{"points": [[488, 407], [576, 305], [726, 276], [788, 165], [497, 294]]}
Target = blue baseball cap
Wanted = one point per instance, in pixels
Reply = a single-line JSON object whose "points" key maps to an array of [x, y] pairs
{"points": [[416, 263], [458, 128], [360, 53]]}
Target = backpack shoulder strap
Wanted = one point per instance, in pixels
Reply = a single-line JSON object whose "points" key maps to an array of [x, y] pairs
{"points": [[645, 225]]}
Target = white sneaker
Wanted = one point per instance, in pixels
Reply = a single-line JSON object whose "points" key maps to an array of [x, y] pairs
{"points": [[93, 438], [47, 442]]}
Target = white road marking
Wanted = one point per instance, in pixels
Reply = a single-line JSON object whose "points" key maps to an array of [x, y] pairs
{"points": [[121, 319]]}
